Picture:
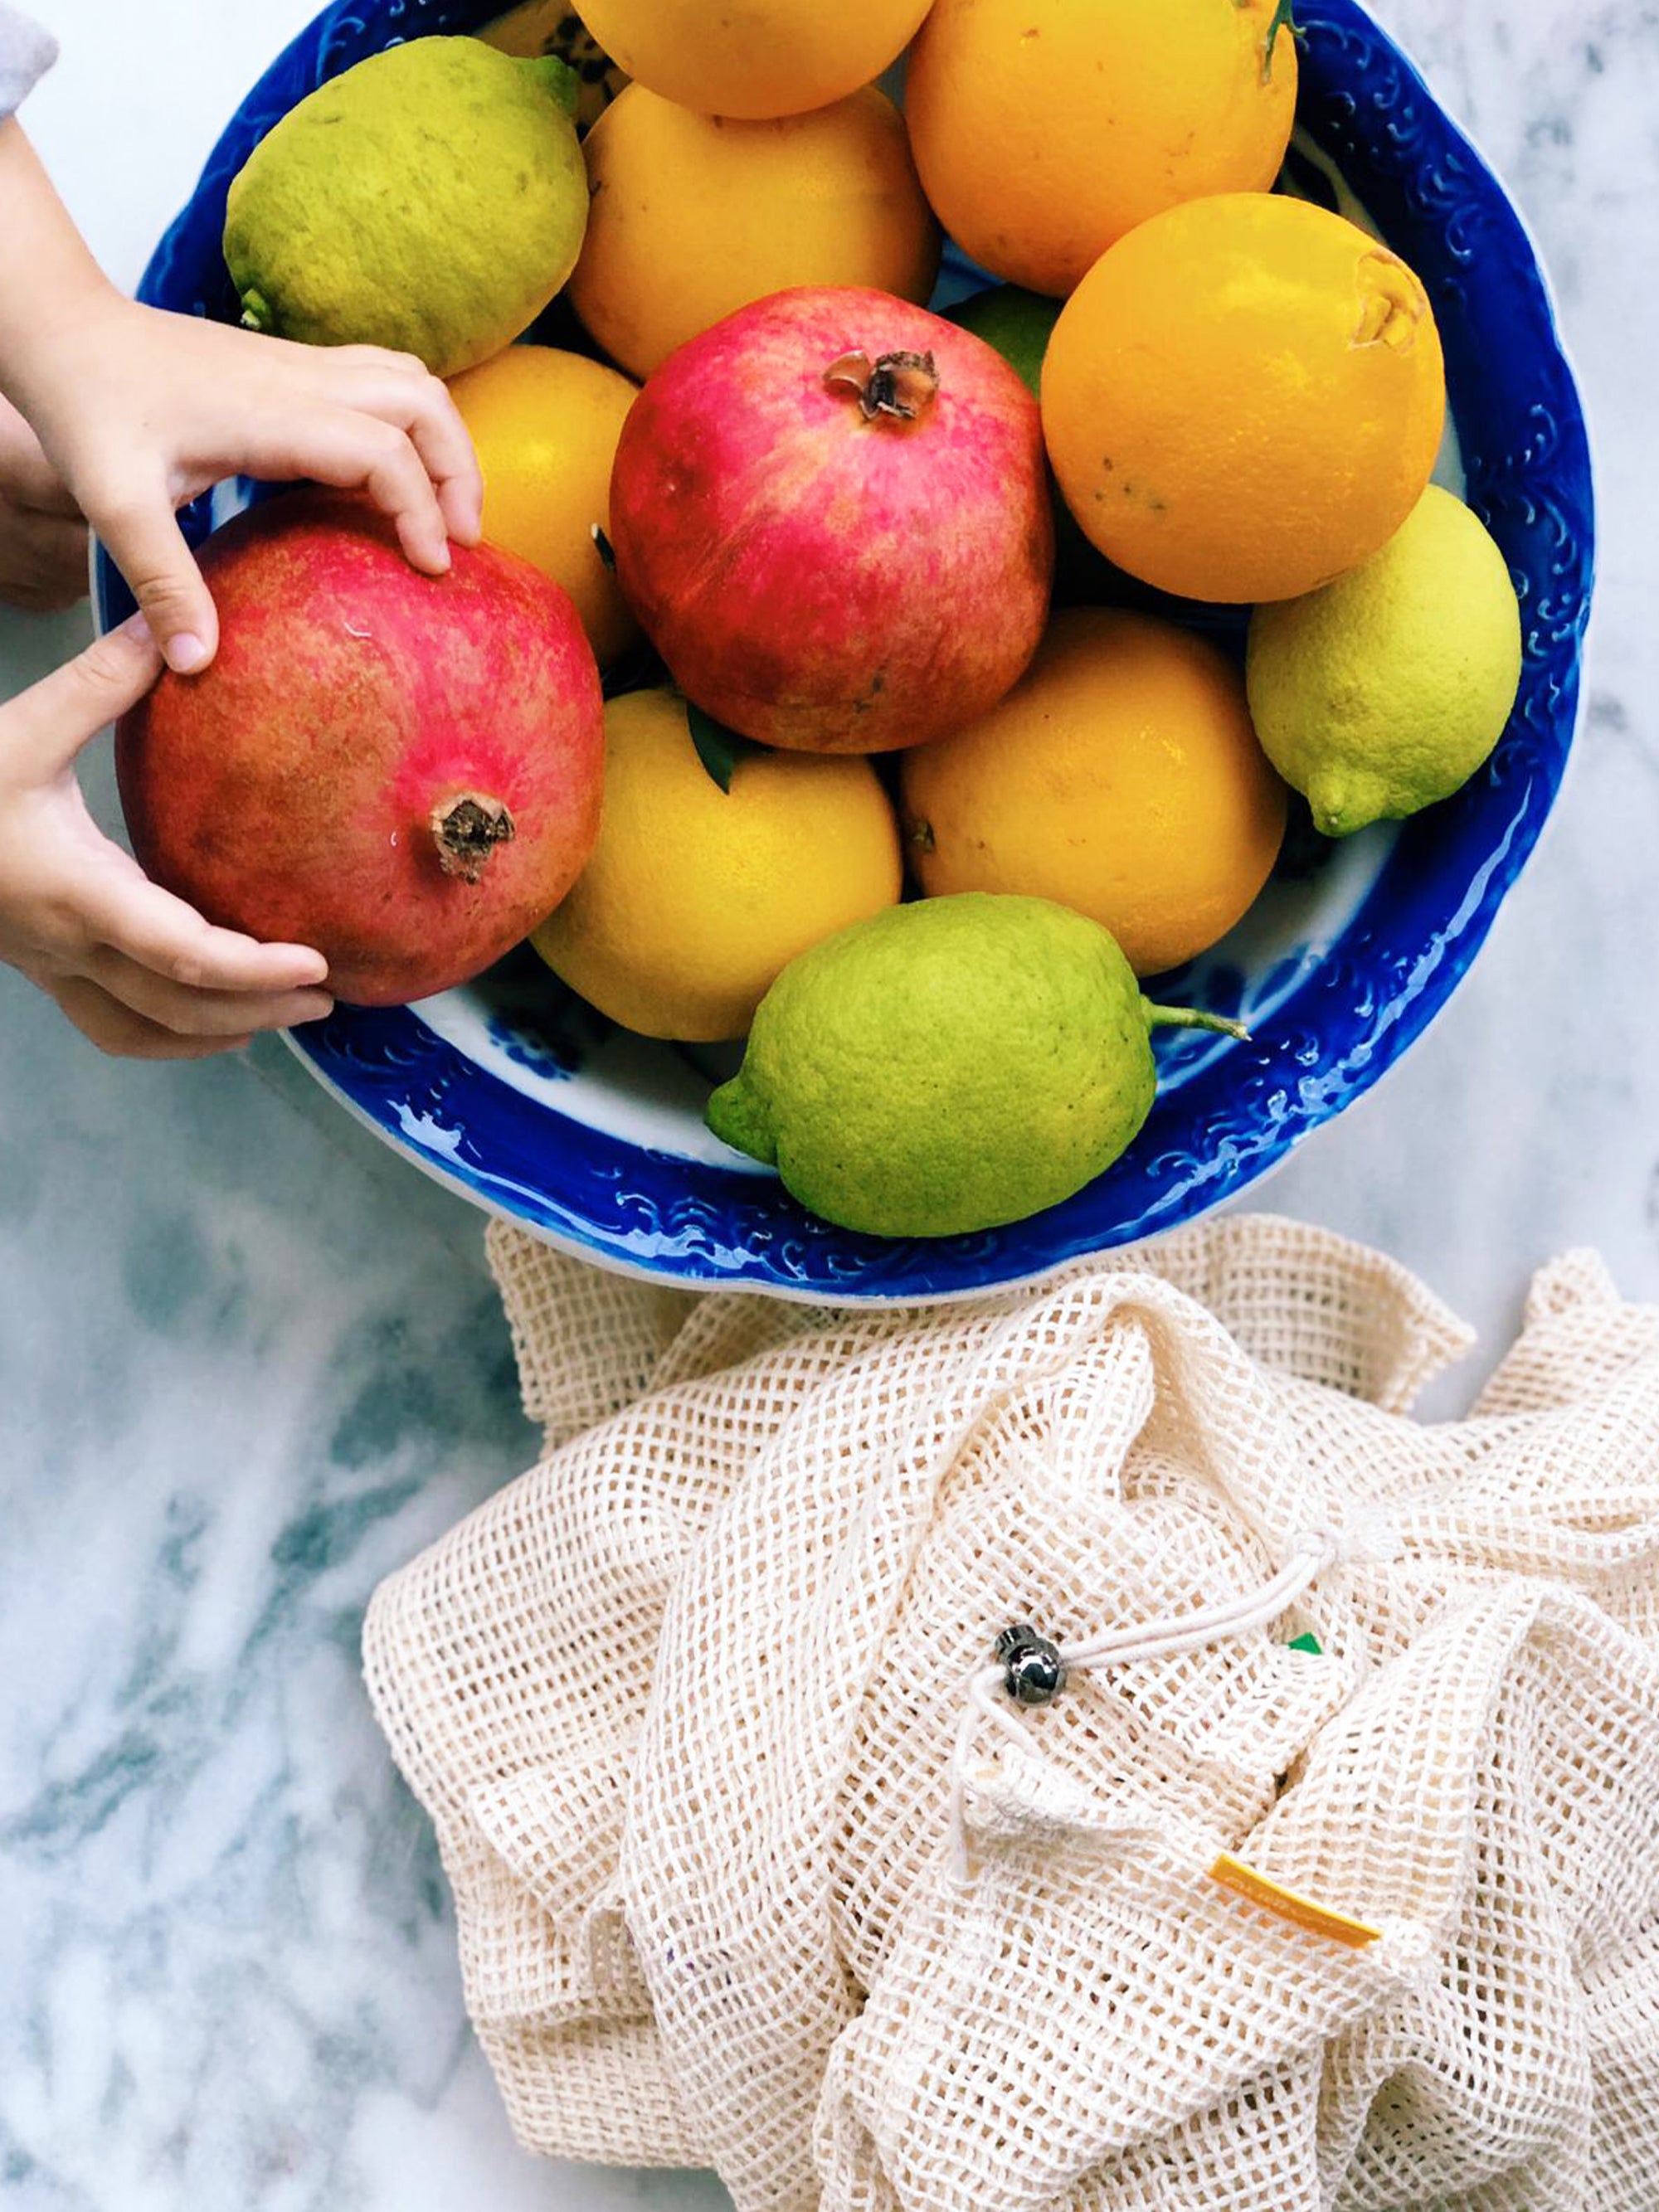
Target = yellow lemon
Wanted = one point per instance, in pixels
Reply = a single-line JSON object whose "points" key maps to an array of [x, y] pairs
{"points": [[1386, 691], [697, 898], [546, 424], [1120, 777], [691, 216]]}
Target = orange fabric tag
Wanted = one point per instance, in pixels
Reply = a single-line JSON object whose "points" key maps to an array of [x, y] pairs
{"points": [[1318, 1919]]}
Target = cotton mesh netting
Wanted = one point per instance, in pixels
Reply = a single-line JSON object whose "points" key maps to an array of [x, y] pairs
{"points": [[683, 1703]]}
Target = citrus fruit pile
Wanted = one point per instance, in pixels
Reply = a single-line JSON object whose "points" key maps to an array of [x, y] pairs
{"points": [[920, 746]]}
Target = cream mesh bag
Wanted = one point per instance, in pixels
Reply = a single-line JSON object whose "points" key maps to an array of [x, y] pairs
{"points": [[1298, 1849]]}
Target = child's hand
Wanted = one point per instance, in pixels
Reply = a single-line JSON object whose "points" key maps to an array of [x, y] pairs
{"points": [[139, 411], [43, 539], [148, 409], [136, 968]]}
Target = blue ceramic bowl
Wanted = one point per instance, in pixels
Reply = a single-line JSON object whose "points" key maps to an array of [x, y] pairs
{"points": [[518, 1096]]}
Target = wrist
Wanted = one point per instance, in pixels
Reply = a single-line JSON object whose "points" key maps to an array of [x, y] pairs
{"points": [[77, 313], [53, 295]]}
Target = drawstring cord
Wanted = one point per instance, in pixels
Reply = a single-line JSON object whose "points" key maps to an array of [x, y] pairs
{"points": [[988, 1688]]}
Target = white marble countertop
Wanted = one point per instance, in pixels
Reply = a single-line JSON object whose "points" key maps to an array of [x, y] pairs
{"points": [[248, 1362]]}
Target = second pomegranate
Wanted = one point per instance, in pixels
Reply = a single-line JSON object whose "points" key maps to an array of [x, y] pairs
{"points": [[832, 513]]}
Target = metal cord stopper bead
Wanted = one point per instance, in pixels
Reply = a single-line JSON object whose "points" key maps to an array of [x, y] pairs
{"points": [[1033, 1671]]}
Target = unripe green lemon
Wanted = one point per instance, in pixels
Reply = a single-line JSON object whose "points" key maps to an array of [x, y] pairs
{"points": [[947, 1067], [1016, 323], [1383, 691], [549, 27], [432, 199]]}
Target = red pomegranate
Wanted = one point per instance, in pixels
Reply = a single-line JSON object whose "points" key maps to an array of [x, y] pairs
{"points": [[404, 771], [831, 512]]}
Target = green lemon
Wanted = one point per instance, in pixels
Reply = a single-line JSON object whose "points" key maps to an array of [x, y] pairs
{"points": [[1018, 324], [551, 27], [947, 1067], [1014, 323], [1383, 691], [433, 199]]}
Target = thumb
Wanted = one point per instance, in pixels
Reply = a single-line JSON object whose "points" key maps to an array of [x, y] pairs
{"points": [[43, 729], [162, 574]]}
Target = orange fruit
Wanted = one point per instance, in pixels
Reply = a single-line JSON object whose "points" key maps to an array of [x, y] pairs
{"points": [[1044, 130], [545, 424], [1120, 777], [1244, 398], [691, 217], [763, 59]]}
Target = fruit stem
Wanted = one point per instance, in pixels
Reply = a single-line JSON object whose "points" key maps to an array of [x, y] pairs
{"points": [[1188, 1017], [899, 385], [466, 830], [1284, 20], [256, 312]]}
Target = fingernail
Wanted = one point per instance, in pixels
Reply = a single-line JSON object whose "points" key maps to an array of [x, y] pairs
{"points": [[136, 626], [184, 652]]}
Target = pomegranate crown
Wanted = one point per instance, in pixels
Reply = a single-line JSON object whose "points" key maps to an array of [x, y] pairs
{"points": [[899, 386]]}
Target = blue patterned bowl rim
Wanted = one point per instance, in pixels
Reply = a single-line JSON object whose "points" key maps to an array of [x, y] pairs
{"points": [[1527, 463]]}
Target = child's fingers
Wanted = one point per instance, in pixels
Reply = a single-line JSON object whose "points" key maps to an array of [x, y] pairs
{"points": [[55, 552], [43, 728], [188, 1012], [144, 540], [60, 545], [29, 477], [43, 561], [421, 407], [33, 482], [356, 452], [116, 1029], [359, 357], [48, 494], [149, 925]]}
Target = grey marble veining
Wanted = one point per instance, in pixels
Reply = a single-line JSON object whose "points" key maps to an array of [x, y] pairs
{"points": [[248, 1362]]}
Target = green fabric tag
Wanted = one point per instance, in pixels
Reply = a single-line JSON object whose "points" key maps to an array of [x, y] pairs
{"points": [[1307, 1643]]}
